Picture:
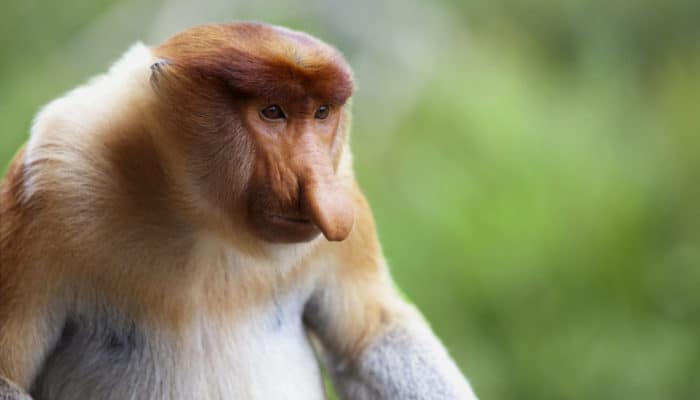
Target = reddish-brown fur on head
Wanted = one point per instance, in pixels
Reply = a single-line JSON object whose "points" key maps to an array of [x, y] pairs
{"points": [[278, 176], [260, 60]]}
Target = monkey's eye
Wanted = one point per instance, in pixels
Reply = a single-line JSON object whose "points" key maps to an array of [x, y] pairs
{"points": [[323, 111], [272, 112]]}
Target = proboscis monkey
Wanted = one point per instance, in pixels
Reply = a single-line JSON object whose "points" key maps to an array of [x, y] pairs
{"points": [[179, 227]]}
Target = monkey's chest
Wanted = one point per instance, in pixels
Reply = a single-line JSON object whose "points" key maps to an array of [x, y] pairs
{"points": [[264, 356]]}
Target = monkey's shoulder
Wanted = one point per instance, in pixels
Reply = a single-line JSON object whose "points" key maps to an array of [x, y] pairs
{"points": [[16, 209]]}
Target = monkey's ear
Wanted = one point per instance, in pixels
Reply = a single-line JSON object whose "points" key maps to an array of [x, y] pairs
{"points": [[157, 68], [158, 64]]}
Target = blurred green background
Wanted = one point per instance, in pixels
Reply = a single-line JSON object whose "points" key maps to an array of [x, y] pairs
{"points": [[534, 167]]}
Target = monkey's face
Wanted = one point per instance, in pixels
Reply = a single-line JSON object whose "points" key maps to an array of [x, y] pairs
{"points": [[257, 113], [294, 193]]}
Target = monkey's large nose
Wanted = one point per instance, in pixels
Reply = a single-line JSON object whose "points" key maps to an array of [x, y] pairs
{"points": [[330, 209], [328, 203]]}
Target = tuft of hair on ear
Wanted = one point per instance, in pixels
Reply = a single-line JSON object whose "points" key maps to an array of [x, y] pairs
{"points": [[157, 69]]}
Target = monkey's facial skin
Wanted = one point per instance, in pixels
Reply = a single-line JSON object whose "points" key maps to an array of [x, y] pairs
{"points": [[294, 192]]}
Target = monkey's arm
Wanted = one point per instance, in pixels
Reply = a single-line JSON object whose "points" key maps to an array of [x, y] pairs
{"points": [[26, 336], [378, 346], [28, 315], [9, 391]]}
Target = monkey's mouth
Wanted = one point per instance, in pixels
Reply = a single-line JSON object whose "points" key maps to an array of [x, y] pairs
{"points": [[282, 228], [298, 220]]}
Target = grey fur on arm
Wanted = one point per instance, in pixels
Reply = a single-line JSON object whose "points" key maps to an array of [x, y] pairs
{"points": [[10, 391], [407, 362]]}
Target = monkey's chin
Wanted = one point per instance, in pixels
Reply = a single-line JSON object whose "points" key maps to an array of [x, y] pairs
{"points": [[275, 228]]}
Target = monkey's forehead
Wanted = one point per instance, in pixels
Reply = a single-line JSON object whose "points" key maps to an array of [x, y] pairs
{"points": [[260, 59]]}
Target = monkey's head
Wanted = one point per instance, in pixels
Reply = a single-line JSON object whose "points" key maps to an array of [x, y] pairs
{"points": [[258, 115]]}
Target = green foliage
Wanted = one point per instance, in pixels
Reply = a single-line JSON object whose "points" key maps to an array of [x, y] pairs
{"points": [[539, 201]]}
